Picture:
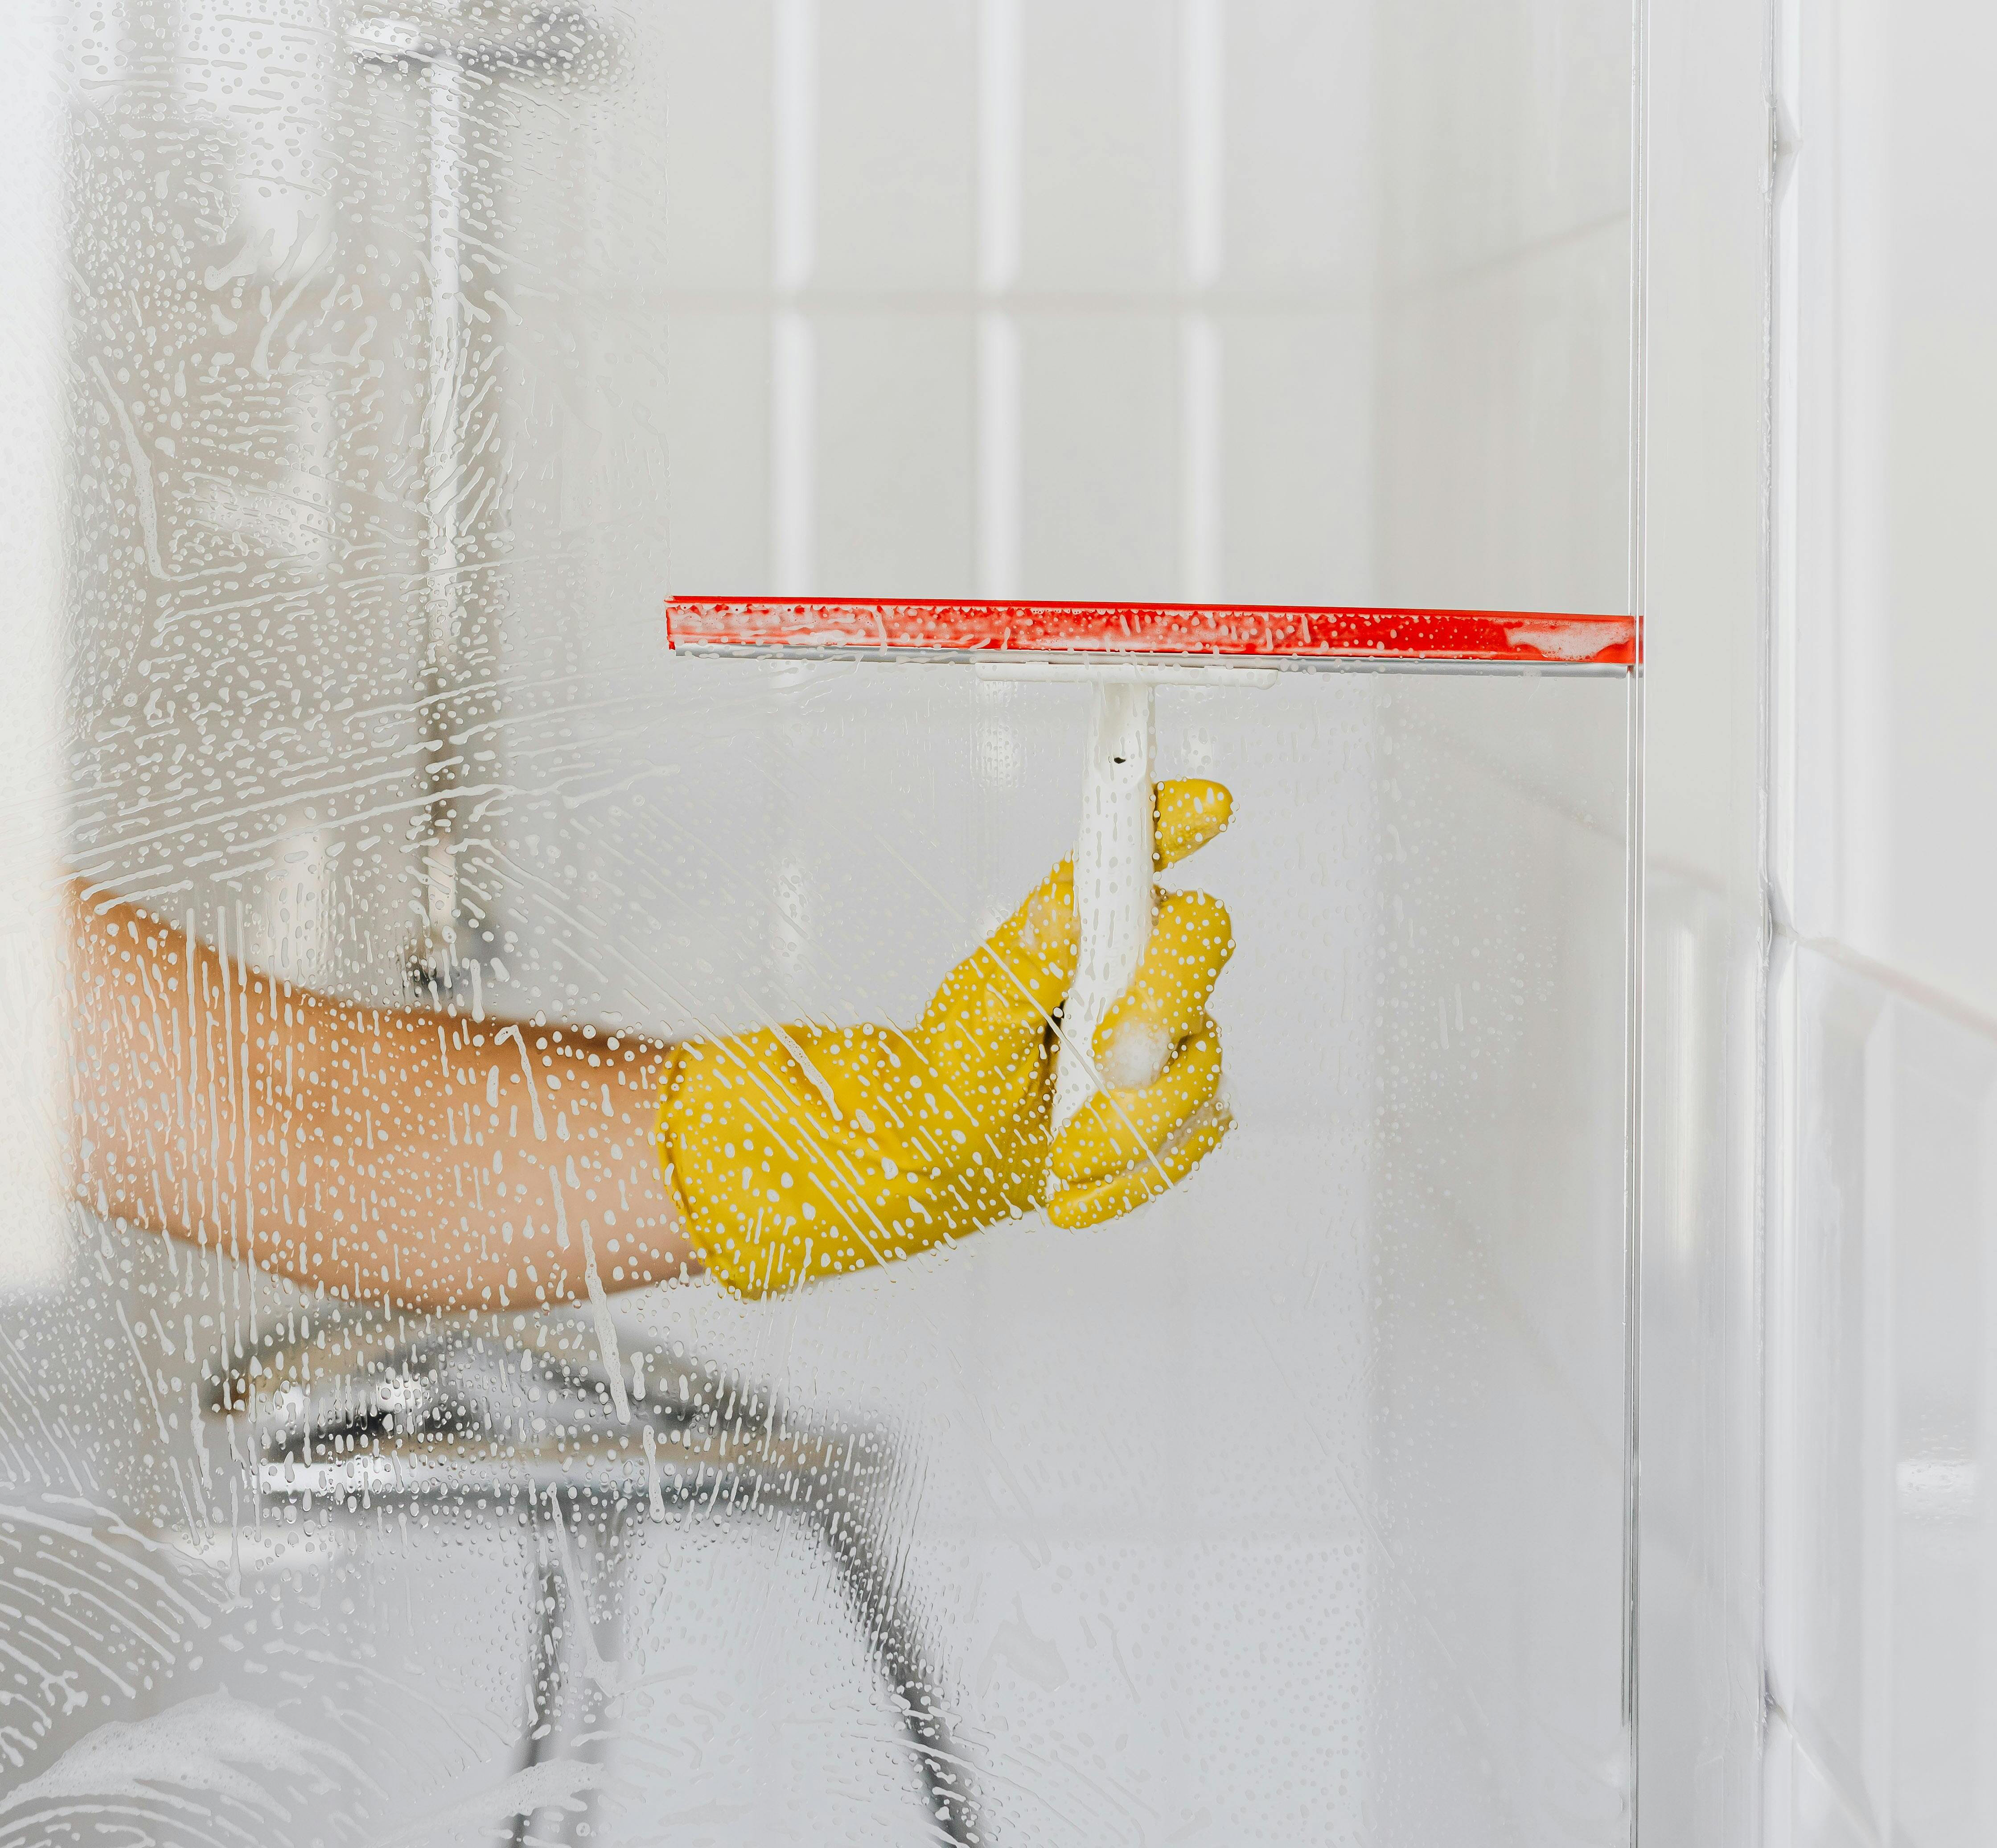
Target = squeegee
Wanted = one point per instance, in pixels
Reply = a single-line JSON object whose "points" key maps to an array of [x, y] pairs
{"points": [[1125, 652]]}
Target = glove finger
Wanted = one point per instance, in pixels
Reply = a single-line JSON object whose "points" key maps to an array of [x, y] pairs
{"points": [[1022, 973], [1165, 1002], [1182, 1151], [1186, 812], [985, 1028], [1027, 964], [1116, 1128]]}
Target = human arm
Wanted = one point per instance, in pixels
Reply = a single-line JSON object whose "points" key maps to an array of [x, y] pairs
{"points": [[428, 1160], [414, 1158]]}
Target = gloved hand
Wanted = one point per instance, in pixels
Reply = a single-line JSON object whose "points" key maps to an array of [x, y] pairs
{"points": [[804, 1152]]}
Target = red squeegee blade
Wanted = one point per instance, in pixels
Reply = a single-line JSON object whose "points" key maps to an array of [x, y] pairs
{"points": [[1270, 634]]}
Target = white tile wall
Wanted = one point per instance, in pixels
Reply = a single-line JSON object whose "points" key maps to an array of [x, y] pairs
{"points": [[717, 395], [896, 147], [1504, 433], [1496, 122], [1804, 1810], [1099, 159], [720, 152], [894, 445], [1882, 1569], [1298, 124], [1099, 516], [1256, 316], [1502, 1298], [1886, 287], [1881, 1519], [1297, 500], [1504, 437]]}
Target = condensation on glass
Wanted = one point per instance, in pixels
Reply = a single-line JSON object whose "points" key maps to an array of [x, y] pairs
{"points": [[393, 368]]}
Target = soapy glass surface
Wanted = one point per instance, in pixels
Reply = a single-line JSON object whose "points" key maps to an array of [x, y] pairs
{"points": [[1288, 1506]]}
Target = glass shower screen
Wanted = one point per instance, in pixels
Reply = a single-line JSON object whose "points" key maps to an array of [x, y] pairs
{"points": [[492, 456]]}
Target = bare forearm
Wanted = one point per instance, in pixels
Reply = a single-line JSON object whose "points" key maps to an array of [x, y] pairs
{"points": [[421, 1159]]}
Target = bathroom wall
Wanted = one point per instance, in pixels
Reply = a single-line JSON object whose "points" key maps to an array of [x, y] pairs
{"points": [[1882, 1535]]}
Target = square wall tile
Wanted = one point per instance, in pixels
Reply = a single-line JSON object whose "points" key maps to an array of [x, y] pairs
{"points": [[894, 450], [1944, 1236], [1881, 1529], [716, 504], [1295, 480], [895, 149], [1502, 472], [1505, 127], [1098, 464], [719, 140], [1886, 474], [1302, 178], [1098, 169], [1801, 1808], [1831, 1677]]}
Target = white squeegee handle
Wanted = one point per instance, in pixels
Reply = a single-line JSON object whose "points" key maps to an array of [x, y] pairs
{"points": [[1113, 881], [1113, 897]]}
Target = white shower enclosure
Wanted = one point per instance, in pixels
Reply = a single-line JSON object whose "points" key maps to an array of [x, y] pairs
{"points": [[395, 366]]}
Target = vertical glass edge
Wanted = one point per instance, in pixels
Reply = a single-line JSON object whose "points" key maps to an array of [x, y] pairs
{"points": [[1634, 933]]}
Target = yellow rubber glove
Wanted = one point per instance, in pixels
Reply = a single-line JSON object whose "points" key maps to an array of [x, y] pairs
{"points": [[804, 1152]]}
